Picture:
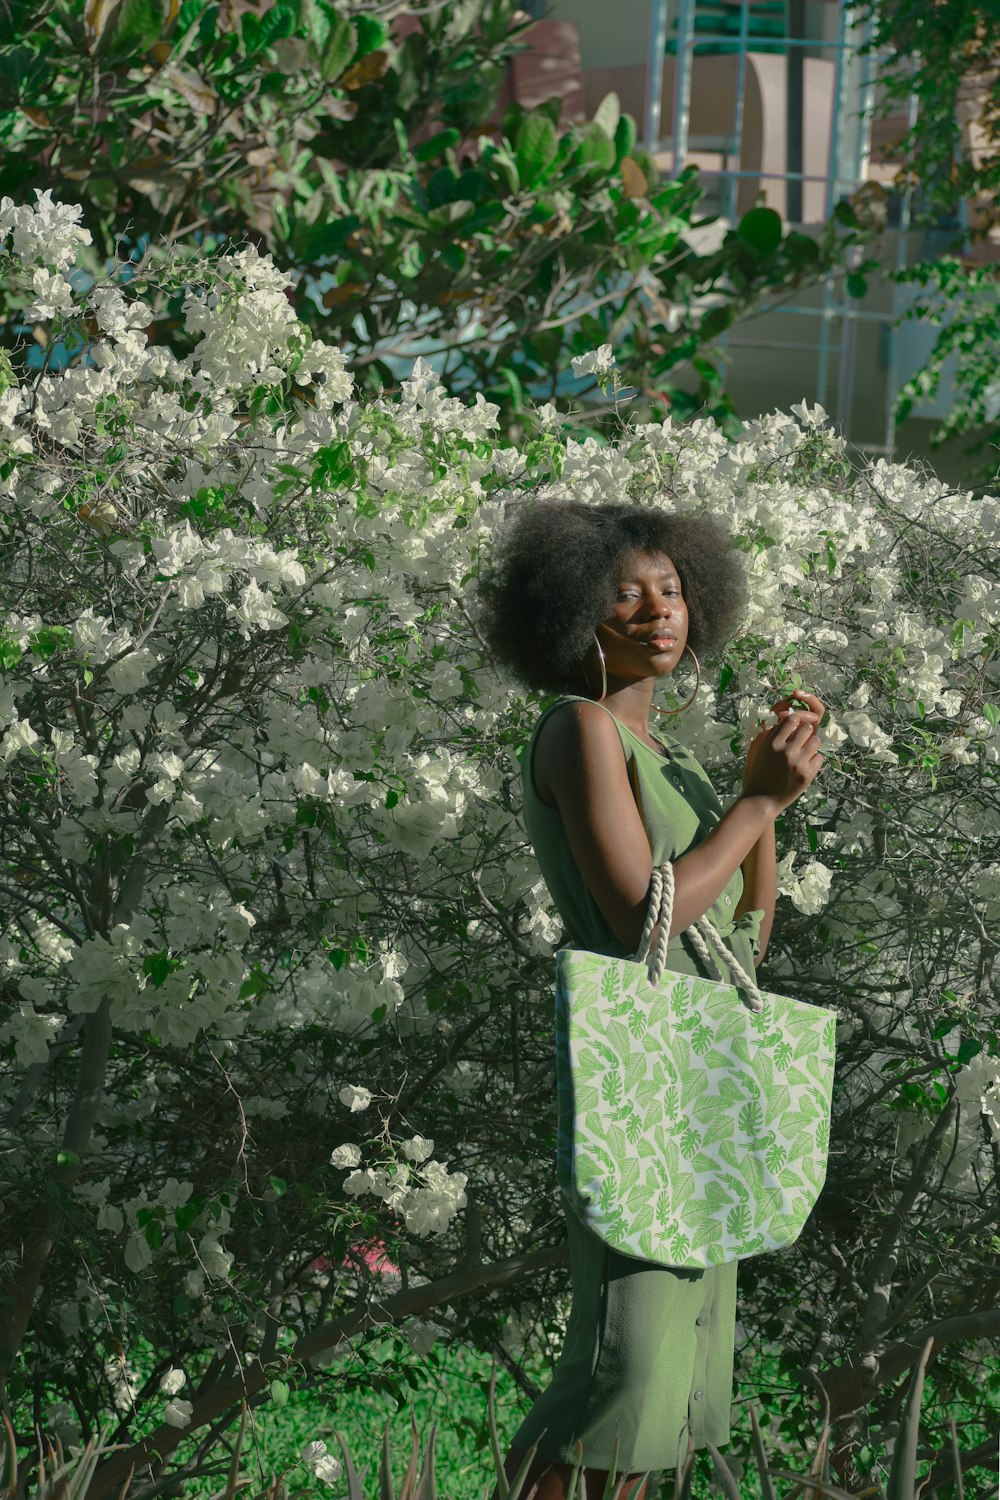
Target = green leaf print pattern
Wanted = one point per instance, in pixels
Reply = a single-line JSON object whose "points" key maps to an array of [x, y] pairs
{"points": [[692, 1131]]}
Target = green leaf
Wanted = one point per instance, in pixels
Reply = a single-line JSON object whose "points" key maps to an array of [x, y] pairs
{"points": [[338, 49], [717, 321], [968, 1049], [552, 108], [761, 228], [800, 247], [596, 149], [857, 286], [157, 966], [454, 257], [510, 120], [48, 640], [185, 1215], [536, 148], [517, 395], [279, 21], [279, 1391], [131, 29], [594, 331], [333, 467], [257, 983], [21, 72], [441, 187], [437, 145], [190, 11], [991, 713], [607, 114], [625, 137], [844, 214], [412, 260], [372, 34]]}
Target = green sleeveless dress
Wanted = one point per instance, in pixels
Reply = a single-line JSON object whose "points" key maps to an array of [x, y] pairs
{"points": [[648, 1355]]}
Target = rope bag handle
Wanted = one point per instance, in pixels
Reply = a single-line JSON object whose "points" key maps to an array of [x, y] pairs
{"points": [[702, 934]]}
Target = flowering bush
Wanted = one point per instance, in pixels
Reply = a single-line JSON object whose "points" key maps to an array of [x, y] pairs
{"points": [[270, 911]]}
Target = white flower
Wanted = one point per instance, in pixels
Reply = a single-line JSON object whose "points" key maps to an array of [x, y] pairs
{"points": [[172, 1381], [20, 736], [355, 1097], [335, 385], [418, 1148], [598, 362], [216, 1261], [31, 1033], [392, 1186], [178, 1413], [131, 673], [53, 295], [46, 231], [810, 416], [323, 1464], [256, 610], [138, 1255], [810, 891], [180, 547], [96, 638], [247, 324], [345, 1156], [865, 732], [110, 1218], [114, 315]]}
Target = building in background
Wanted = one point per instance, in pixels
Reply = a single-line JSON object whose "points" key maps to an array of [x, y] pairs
{"points": [[774, 99]]}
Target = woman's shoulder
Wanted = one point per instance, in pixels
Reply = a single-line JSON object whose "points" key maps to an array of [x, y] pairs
{"points": [[573, 720], [573, 731]]}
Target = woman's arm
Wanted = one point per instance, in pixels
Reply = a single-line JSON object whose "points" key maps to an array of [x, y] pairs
{"points": [[586, 772], [760, 868], [760, 885]]}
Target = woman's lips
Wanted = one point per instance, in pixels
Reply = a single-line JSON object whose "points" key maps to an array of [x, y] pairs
{"points": [[662, 643]]}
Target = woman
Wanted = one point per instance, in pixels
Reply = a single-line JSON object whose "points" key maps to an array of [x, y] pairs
{"points": [[598, 603]]}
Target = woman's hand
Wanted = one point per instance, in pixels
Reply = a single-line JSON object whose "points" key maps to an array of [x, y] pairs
{"points": [[784, 758]]}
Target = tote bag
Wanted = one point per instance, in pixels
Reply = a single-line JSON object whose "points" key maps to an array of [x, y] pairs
{"points": [[694, 1119]]}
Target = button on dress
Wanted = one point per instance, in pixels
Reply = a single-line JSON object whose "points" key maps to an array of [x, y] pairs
{"points": [[648, 1354]]}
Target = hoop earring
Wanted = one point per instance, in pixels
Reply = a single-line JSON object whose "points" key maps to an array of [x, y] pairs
{"points": [[697, 685], [604, 674]]}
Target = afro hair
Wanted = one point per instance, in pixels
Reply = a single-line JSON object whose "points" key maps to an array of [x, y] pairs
{"points": [[553, 576]]}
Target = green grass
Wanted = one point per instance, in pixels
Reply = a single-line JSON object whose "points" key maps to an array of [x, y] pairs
{"points": [[445, 1389]]}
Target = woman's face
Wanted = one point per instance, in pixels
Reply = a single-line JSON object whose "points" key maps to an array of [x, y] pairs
{"points": [[644, 636]]}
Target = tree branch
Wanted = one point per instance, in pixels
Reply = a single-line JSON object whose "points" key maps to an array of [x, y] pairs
{"points": [[851, 1385]]}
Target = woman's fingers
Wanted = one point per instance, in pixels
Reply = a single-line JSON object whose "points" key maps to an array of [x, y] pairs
{"points": [[794, 729], [795, 701], [799, 744]]}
